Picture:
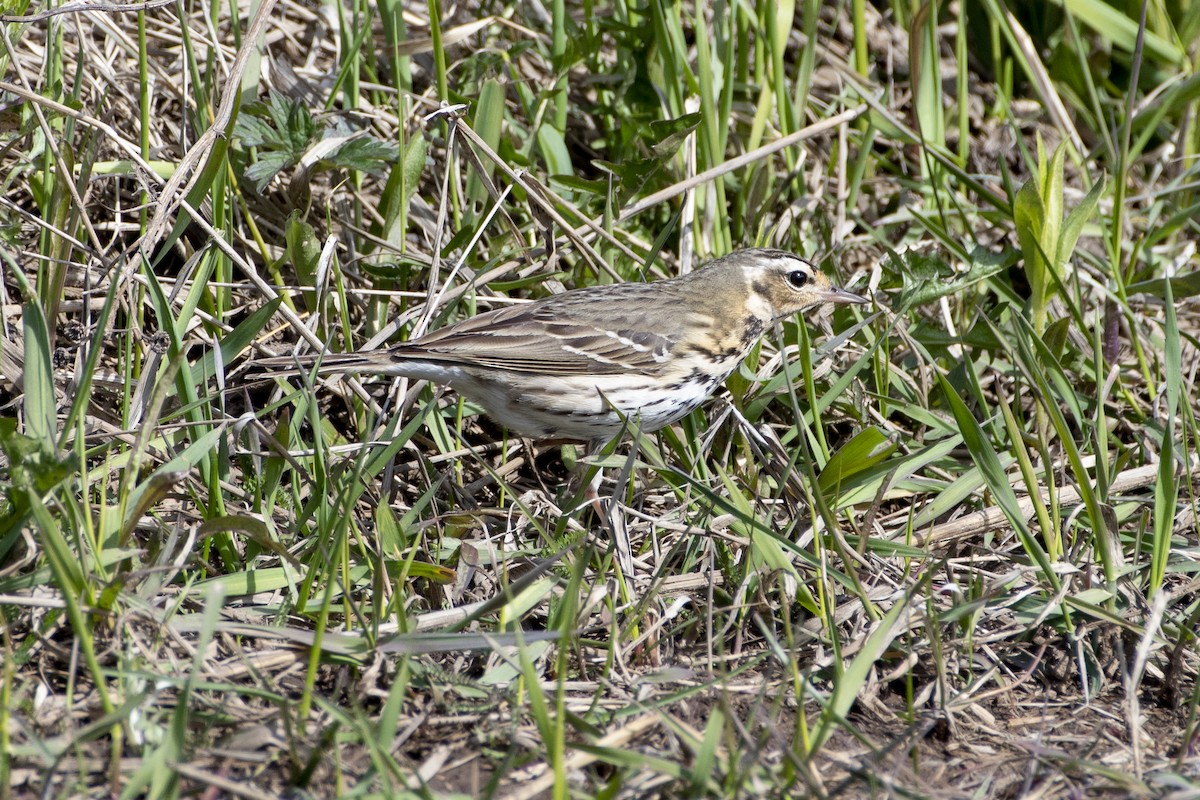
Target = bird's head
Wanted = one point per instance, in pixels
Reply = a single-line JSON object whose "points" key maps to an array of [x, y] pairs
{"points": [[780, 283]]}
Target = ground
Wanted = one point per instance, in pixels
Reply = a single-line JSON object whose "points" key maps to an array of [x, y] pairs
{"points": [[943, 545]]}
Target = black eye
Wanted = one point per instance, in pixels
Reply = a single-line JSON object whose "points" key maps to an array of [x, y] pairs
{"points": [[798, 278]]}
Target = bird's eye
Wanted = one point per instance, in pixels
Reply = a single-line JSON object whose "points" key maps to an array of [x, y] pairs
{"points": [[798, 278]]}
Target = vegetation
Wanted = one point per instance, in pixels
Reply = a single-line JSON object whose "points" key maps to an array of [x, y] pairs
{"points": [[942, 545]]}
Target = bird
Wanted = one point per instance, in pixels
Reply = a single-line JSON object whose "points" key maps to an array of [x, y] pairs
{"points": [[579, 365]]}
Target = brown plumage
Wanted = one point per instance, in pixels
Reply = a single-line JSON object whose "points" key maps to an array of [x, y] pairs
{"points": [[575, 365]]}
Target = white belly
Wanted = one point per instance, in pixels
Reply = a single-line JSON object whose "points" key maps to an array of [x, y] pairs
{"points": [[557, 406]]}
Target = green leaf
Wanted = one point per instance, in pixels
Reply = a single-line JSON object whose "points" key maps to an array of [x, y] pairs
{"points": [[667, 135], [402, 184], [1181, 286], [1055, 336], [64, 562], [596, 187], [236, 340], [269, 165], [867, 448], [254, 131], [278, 124], [29, 463], [40, 406], [488, 122], [391, 538], [1166, 488], [985, 458], [928, 277], [554, 151], [851, 681], [1073, 227], [1029, 218], [1122, 30], [178, 466], [366, 154], [925, 65], [304, 252], [1052, 197]]}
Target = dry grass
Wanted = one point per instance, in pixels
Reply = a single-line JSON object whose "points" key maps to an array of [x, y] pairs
{"points": [[925, 550]]}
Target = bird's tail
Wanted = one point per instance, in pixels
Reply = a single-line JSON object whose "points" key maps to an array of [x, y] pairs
{"points": [[324, 364]]}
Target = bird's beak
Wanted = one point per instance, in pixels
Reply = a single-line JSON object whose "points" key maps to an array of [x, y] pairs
{"points": [[836, 295]]}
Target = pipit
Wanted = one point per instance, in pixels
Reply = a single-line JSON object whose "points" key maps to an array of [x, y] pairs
{"points": [[577, 365]]}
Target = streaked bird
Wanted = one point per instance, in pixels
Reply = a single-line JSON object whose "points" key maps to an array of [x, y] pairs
{"points": [[576, 365]]}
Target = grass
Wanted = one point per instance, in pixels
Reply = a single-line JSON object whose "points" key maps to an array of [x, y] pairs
{"points": [[940, 546]]}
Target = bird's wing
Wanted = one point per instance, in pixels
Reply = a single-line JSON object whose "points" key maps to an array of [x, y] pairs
{"points": [[552, 337]]}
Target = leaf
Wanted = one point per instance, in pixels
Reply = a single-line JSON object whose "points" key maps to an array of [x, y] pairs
{"points": [[667, 136], [1166, 488], [40, 406], [1029, 218], [854, 678], [253, 529], [596, 187], [253, 131], [279, 123], [1052, 197], [304, 252], [1073, 227], [928, 277], [1122, 30], [236, 340], [281, 129], [867, 448], [402, 184], [366, 154], [988, 462], [488, 122], [267, 167], [925, 69], [1055, 336], [391, 538], [29, 464], [554, 150], [1181, 286]]}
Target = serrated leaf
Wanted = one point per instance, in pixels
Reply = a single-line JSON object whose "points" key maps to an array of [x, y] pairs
{"points": [[279, 123], [269, 165], [253, 131], [928, 278], [366, 154], [667, 136]]}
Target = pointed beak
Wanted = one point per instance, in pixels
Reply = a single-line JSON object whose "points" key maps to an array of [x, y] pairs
{"points": [[841, 296]]}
